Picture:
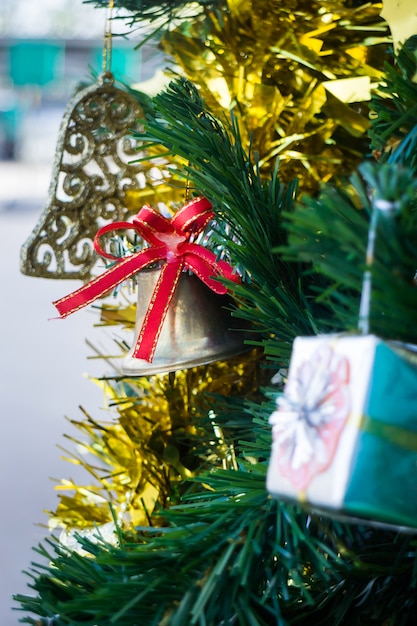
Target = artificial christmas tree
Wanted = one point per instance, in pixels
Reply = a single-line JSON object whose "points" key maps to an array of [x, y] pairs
{"points": [[180, 475]]}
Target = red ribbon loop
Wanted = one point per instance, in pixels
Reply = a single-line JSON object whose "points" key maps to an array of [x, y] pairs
{"points": [[169, 242]]}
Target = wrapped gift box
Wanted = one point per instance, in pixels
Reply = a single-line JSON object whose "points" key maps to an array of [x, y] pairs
{"points": [[345, 429]]}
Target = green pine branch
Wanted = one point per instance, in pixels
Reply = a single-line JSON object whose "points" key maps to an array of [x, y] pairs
{"points": [[231, 555], [248, 209], [393, 131], [331, 233]]}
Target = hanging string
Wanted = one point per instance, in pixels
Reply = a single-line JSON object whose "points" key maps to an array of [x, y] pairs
{"points": [[107, 45], [365, 302], [187, 188], [379, 207]]}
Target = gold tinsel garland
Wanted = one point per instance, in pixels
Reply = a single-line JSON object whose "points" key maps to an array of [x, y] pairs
{"points": [[154, 442], [278, 65]]}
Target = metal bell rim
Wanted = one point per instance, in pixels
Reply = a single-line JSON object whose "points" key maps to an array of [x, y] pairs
{"points": [[213, 339]]}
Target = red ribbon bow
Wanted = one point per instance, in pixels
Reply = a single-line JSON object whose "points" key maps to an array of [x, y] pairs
{"points": [[169, 239]]}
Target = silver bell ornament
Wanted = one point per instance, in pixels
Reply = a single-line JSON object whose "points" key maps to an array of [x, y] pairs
{"points": [[196, 329], [181, 318]]}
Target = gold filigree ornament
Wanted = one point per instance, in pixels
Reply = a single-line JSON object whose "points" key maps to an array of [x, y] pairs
{"points": [[92, 172], [92, 175]]}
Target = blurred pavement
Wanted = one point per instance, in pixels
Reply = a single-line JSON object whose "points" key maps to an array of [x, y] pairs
{"points": [[41, 382]]}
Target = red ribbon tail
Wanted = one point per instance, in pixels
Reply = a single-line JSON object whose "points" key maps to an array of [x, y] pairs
{"points": [[106, 282], [204, 264], [157, 311]]}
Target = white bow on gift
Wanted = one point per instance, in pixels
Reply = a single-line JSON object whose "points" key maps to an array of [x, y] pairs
{"points": [[311, 415]]}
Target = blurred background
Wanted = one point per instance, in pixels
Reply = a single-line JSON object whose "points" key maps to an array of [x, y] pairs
{"points": [[47, 48]]}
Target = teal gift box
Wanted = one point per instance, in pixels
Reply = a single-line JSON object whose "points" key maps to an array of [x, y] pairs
{"points": [[345, 429]]}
